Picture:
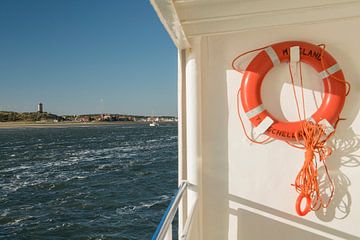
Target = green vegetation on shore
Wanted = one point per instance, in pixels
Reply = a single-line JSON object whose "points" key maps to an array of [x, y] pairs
{"points": [[27, 116], [7, 116]]}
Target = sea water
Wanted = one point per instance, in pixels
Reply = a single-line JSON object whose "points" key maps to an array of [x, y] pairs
{"points": [[90, 182]]}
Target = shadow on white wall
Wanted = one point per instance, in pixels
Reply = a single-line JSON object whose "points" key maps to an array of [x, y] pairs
{"points": [[345, 145]]}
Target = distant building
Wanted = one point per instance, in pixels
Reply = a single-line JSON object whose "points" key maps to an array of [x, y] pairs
{"points": [[40, 108]]}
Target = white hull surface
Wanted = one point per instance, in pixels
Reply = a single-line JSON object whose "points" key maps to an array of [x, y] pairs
{"points": [[243, 190]]}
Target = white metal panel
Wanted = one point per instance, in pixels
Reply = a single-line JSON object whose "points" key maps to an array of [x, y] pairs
{"points": [[184, 19], [197, 10], [264, 19], [246, 187]]}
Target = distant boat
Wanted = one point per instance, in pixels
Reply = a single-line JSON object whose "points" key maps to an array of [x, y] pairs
{"points": [[153, 124]]}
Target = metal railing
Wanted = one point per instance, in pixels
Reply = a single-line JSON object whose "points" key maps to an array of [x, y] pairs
{"points": [[164, 228], [186, 229]]}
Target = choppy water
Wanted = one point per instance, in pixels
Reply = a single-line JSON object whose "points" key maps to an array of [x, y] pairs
{"points": [[98, 182]]}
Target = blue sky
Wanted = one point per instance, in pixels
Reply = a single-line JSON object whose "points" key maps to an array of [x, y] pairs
{"points": [[86, 56]]}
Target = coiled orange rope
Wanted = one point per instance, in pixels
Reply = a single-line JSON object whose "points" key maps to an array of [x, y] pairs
{"points": [[306, 182]]}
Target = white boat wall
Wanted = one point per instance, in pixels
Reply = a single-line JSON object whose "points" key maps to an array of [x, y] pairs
{"points": [[243, 190]]}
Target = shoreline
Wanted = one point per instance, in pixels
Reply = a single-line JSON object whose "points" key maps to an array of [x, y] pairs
{"points": [[9, 125]]}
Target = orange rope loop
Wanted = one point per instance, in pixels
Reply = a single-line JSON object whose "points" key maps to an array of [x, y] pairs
{"points": [[348, 86], [241, 55]]}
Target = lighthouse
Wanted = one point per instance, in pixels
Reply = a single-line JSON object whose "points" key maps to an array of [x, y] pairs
{"points": [[40, 108]]}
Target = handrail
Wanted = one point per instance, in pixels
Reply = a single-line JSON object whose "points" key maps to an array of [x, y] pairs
{"points": [[169, 214]]}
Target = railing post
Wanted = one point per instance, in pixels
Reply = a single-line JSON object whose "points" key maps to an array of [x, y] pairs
{"points": [[182, 167], [188, 224], [169, 233]]}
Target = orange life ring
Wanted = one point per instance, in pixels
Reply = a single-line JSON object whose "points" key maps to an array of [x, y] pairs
{"points": [[334, 91]]}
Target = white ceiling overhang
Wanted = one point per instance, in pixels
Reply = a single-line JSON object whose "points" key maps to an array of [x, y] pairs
{"points": [[185, 19]]}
